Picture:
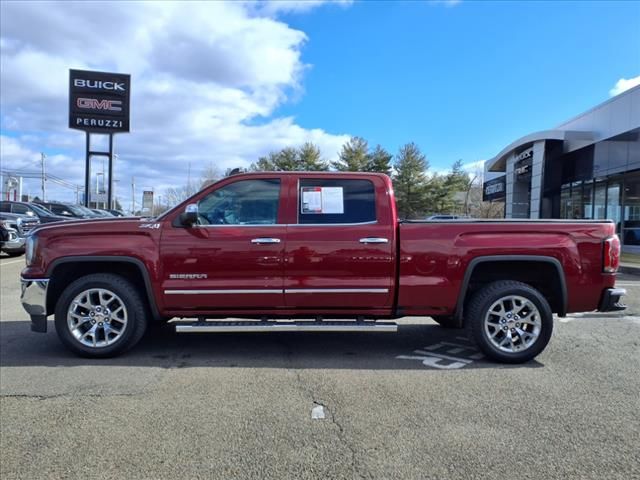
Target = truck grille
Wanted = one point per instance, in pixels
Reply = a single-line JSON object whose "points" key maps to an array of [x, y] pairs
{"points": [[27, 226]]}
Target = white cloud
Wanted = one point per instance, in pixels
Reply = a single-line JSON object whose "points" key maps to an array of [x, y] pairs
{"points": [[474, 167], [623, 85], [207, 80], [275, 7]]}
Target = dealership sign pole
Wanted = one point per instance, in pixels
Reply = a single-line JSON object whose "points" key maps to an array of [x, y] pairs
{"points": [[99, 104]]}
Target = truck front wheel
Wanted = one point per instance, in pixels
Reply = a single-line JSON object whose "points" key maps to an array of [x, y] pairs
{"points": [[510, 321], [100, 315]]}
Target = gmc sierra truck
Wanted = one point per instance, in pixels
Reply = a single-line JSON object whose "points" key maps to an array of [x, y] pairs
{"points": [[284, 251]]}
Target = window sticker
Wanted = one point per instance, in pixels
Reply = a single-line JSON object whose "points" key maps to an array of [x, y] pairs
{"points": [[311, 200], [332, 200], [322, 200]]}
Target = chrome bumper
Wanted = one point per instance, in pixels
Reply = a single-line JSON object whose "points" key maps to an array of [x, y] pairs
{"points": [[34, 301], [14, 245]]}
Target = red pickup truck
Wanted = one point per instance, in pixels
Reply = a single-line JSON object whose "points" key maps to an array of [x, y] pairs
{"points": [[264, 247]]}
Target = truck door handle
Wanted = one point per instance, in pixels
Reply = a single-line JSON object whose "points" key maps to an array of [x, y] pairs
{"points": [[368, 240], [265, 241]]}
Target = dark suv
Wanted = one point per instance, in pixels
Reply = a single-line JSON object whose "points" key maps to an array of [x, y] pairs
{"points": [[69, 211], [32, 209]]}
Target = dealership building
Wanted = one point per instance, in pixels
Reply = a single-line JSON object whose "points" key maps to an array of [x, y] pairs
{"points": [[585, 168]]}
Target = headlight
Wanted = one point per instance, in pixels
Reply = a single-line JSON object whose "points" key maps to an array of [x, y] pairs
{"points": [[8, 224], [30, 249]]}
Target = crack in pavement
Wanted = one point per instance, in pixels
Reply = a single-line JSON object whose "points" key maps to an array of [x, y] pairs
{"points": [[340, 432], [72, 395]]}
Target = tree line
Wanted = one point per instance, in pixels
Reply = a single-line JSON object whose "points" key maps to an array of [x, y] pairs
{"points": [[419, 190]]}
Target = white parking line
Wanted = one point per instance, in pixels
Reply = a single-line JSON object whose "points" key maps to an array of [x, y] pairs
{"points": [[12, 261]]}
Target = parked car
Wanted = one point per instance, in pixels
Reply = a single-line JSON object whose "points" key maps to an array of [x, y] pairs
{"points": [[10, 242], [274, 245], [68, 210], [116, 213], [101, 213], [31, 209], [22, 224]]}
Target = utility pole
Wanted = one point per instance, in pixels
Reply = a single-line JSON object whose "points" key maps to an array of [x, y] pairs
{"points": [[133, 196], [44, 178]]}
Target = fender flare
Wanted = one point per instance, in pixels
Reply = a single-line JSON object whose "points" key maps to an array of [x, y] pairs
{"points": [[510, 258], [153, 306]]}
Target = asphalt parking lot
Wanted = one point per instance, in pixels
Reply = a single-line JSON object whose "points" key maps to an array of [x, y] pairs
{"points": [[418, 404]]}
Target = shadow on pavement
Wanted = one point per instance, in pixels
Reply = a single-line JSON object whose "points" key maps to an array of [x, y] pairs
{"points": [[422, 346]]}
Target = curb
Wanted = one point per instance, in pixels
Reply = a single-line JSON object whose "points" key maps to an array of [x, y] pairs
{"points": [[629, 269]]}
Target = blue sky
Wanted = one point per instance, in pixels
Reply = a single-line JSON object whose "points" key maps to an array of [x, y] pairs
{"points": [[461, 81], [218, 84]]}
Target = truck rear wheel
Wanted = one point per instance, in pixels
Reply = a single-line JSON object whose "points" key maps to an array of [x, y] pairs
{"points": [[100, 315], [510, 321]]}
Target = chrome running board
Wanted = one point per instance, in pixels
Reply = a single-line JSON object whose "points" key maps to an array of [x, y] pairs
{"points": [[279, 326]]}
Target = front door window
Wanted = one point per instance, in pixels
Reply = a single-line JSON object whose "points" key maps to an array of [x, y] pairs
{"points": [[246, 202]]}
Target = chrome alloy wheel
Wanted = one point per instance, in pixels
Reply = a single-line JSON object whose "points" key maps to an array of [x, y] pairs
{"points": [[512, 324], [97, 317]]}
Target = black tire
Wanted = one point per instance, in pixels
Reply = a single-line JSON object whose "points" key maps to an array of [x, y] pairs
{"points": [[135, 310], [14, 254], [446, 321], [478, 309]]}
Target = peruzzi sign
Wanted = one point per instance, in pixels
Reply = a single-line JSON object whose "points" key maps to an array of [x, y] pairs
{"points": [[99, 101]]}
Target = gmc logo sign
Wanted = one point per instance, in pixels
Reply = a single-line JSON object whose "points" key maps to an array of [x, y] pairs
{"points": [[95, 104]]}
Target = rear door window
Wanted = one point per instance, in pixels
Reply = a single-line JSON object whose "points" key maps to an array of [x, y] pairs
{"points": [[336, 201]]}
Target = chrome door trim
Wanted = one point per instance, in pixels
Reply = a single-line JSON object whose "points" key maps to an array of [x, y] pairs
{"points": [[255, 225], [218, 292], [287, 290], [372, 222], [336, 290]]}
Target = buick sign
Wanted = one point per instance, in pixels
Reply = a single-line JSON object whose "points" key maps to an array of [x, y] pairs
{"points": [[99, 101]]}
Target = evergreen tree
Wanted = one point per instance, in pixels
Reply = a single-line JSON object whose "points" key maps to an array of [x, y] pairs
{"points": [[305, 158], [354, 156], [410, 181], [379, 161], [458, 179], [310, 158]]}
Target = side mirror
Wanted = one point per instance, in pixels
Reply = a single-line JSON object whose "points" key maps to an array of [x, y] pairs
{"points": [[190, 215], [66, 213]]}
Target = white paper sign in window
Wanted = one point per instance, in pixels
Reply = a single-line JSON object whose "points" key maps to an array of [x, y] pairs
{"points": [[322, 200], [332, 200], [311, 200]]}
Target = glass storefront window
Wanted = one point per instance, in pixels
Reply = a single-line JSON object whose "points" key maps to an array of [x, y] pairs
{"points": [[576, 201], [631, 234], [565, 202], [587, 200], [600, 210], [613, 204]]}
